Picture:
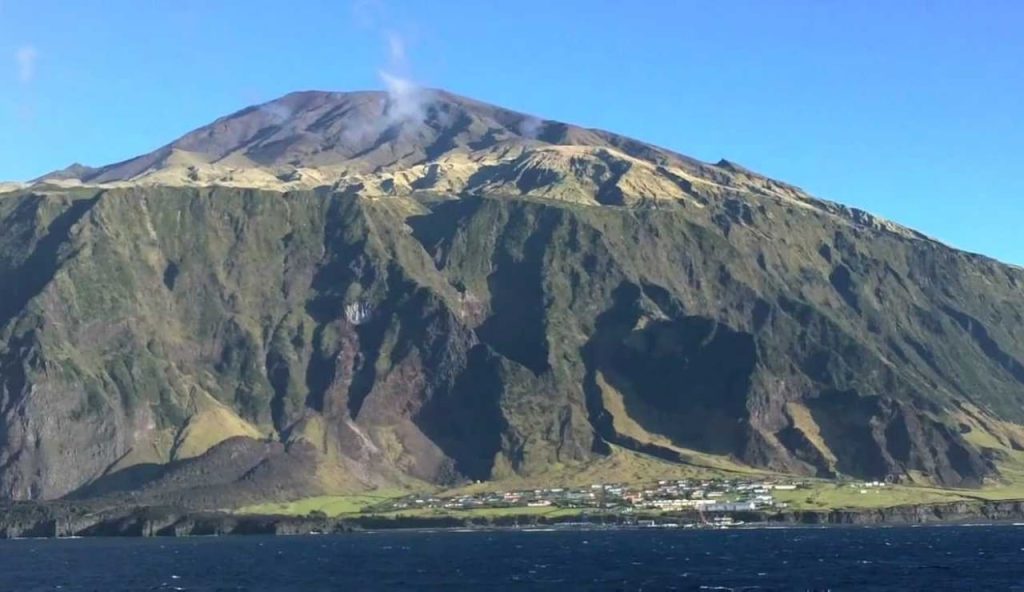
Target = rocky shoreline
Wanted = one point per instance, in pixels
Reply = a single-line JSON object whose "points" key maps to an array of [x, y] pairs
{"points": [[60, 520]]}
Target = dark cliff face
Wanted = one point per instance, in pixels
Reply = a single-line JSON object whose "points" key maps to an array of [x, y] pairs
{"points": [[444, 336]]}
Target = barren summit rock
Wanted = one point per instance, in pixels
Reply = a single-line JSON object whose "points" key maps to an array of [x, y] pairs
{"points": [[339, 291], [361, 131], [426, 140], [418, 139]]}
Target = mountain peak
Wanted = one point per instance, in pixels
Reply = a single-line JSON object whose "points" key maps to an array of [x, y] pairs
{"points": [[360, 132], [412, 138]]}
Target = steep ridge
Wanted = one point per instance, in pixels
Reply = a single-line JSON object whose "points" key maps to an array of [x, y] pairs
{"points": [[459, 292]]}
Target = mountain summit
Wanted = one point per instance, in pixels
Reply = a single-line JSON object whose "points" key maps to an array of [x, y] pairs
{"points": [[308, 137], [341, 291], [376, 143]]}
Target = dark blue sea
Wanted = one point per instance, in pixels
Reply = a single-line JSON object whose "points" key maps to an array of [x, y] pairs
{"points": [[926, 558]]}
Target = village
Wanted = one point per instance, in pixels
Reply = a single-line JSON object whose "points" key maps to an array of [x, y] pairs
{"points": [[711, 496]]}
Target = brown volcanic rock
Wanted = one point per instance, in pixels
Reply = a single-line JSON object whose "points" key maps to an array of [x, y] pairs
{"points": [[370, 131]]}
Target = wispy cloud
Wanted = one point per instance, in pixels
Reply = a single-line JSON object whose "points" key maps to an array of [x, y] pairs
{"points": [[530, 127], [368, 13], [408, 102], [396, 48], [26, 57]]}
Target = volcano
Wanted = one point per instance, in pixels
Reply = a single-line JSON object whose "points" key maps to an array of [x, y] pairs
{"points": [[337, 292]]}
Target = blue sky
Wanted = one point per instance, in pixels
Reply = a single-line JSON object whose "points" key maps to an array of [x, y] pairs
{"points": [[913, 110]]}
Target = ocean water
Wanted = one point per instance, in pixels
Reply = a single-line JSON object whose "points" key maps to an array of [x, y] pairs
{"points": [[926, 558]]}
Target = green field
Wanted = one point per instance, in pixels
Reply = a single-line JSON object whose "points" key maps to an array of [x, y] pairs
{"points": [[550, 512], [831, 495], [331, 505], [341, 505], [828, 496]]}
